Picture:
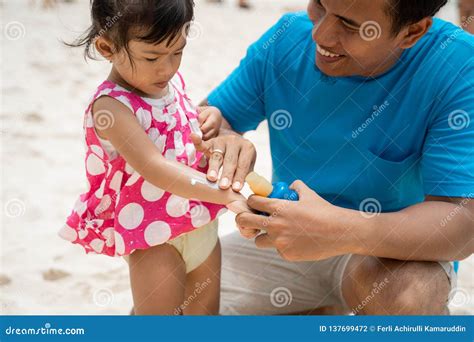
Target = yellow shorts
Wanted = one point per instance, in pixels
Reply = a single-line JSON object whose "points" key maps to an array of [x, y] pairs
{"points": [[196, 246]]}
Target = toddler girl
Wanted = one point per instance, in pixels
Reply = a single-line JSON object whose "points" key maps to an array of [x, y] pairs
{"points": [[148, 198]]}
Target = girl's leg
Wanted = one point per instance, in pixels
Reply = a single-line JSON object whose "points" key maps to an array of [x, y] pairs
{"points": [[157, 277], [203, 286]]}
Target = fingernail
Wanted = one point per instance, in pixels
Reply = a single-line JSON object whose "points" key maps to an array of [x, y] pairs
{"points": [[213, 174], [236, 186], [224, 182]]}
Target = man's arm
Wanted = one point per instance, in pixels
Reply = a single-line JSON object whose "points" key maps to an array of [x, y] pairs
{"points": [[313, 229], [439, 229]]}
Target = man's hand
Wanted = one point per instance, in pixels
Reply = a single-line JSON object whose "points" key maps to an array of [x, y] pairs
{"points": [[210, 119], [300, 231], [232, 152]]}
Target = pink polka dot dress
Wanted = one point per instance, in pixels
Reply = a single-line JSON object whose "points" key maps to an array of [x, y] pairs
{"points": [[121, 212]]}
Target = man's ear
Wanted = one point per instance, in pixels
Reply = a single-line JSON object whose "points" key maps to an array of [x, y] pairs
{"points": [[104, 47], [413, 33]]}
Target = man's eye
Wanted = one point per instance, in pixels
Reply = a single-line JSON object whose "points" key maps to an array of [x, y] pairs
{"points": [[318, 3], [350, 26]]}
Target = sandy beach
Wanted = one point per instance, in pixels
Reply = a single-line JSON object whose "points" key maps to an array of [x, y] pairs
{"points": [[45, 88]]}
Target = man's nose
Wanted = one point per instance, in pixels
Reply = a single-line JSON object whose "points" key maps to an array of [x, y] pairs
{"points": [[325, 31]]}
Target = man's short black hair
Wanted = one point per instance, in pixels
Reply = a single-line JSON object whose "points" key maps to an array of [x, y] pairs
{"points": [[407, 12]]}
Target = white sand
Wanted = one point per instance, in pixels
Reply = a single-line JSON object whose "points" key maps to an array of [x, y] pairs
{"points": [[45, 88]]}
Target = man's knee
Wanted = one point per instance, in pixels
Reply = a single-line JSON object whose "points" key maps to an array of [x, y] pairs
{"points": [[386, 286]]}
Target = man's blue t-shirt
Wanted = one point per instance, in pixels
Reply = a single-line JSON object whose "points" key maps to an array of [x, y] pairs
{"points": [[361, 142]]}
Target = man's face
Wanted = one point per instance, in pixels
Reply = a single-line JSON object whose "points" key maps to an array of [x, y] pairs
{"points": [[354, 37]]}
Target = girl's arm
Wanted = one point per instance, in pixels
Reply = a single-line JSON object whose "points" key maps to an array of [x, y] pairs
{"points": [[134, 145]]}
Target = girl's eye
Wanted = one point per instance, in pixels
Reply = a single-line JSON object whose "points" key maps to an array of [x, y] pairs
{"points": [[151, 59], [178, 53]]}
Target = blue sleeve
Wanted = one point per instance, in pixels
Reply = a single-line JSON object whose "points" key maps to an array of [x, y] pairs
{"points": [[448, 154], [240, 97]]}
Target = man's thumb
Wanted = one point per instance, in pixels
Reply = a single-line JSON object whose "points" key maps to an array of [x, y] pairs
{"points": [[301, 188]]}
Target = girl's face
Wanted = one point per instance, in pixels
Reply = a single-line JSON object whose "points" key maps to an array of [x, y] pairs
{"points": [[154, 65]]}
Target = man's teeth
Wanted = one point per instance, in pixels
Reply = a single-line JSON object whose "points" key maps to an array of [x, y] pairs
{"points": [[326, 53]]}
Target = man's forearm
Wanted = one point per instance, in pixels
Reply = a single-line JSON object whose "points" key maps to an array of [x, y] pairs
{"points": [[429, 231]]}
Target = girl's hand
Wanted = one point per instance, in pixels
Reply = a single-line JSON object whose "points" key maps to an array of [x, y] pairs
{"points": [[210, 119]]}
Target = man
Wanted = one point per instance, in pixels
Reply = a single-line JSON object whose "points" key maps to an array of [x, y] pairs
{"points": [[370, 105], [466, 10]]}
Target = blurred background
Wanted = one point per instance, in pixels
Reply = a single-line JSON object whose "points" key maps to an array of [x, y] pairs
{"points": [[45, 88]]}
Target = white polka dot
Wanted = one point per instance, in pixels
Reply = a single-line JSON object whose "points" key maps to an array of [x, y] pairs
{"points": [[116, 181], [129, 169], [89, 121], [191, 153], [100, 191], [170, 154], [177, 206], [158, 114], [178, 143], [171, 121], [109, 236], [172, 109], [131, 216], [119, 244], [104, 204], [153, 134], [182, 116], [94, 165], [97, 150], [200, 216], [68, 233], [97, 245], [150, 192], [80, 207], [144, 117], [83, 233], [161, 143], [132, 180], [157, 233]]}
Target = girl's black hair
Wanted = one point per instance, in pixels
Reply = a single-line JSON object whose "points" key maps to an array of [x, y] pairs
{"points": [[151, 21]]}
